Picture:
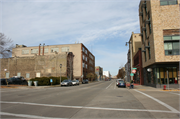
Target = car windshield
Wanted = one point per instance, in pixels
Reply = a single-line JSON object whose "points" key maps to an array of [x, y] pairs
{"points": [[73, 81], [121, 81], [65, 81]]}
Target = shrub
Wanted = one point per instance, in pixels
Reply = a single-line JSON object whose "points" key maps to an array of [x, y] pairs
{"points": [[43, 81]]}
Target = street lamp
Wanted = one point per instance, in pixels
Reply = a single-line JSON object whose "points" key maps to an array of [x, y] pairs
{"points": [[60, 73], [131, 55]]}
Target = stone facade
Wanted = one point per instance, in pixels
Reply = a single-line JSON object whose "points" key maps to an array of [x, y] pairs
{"points": [[99, 73], [84, 60], [36, 66]]}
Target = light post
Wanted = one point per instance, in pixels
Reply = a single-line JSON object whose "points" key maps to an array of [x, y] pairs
{"points": [[60, 73], [131, 55]]}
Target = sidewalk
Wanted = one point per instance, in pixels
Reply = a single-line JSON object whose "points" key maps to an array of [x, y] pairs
{"points": [[149, 88], [27, 87]]}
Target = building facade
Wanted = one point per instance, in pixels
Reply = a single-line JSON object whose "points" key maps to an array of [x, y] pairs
{"points": [[99, 73], [38, 66], [83, 60], [159, 26]]}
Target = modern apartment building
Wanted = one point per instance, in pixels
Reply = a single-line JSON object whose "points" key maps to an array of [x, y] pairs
{"points": [[160, 32], [83, 60]]}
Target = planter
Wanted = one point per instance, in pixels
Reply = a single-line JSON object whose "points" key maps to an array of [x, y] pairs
{"points": [[29, 83], [35, 83]]}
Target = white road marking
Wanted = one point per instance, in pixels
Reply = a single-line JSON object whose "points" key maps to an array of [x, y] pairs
{"points": [[28, 116], [95, 108], [109, 85], [160, 102]]}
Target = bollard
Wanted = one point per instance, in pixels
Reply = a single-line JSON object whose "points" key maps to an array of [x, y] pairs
{"points": [[164, 87]]}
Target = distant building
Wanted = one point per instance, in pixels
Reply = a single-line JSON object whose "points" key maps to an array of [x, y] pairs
{"points": [[83, 60], [107, 74], [99, 73]]}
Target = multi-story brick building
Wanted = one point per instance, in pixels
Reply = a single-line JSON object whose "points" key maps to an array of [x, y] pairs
{"points": [[83, 60], [159, 25], [133, 54]]}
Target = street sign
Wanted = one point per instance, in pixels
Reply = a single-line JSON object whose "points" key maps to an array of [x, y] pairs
{"points": [[134, 71], [51, 80], [134, 68], [131, 74]]}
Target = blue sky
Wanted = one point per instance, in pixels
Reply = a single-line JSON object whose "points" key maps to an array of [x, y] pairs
{"points": [[103, 26]]}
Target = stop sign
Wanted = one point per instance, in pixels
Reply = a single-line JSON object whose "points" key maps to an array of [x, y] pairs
{"points": [[134, 71]]}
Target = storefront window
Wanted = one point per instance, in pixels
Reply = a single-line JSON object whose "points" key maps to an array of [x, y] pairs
{"points": [[162, 75], [158, 77]]}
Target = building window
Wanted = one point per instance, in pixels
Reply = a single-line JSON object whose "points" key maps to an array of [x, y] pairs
{"points": [[54, 50], [19, 74], [145, 56], [149, 50], [171, 45], [65, 49], [34, 51], [27, 75], [7, 74], [168, 2], [45, 50], [83, 57], [25, 52], [83, 65], [83, 49], [38, 74]]}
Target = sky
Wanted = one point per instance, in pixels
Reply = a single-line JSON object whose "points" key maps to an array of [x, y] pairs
{"points": [[103, 26]]}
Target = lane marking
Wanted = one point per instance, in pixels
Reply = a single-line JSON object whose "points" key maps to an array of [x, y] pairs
{"points": [[28, 116], [93, 108], [160, 102], [109, 85]]}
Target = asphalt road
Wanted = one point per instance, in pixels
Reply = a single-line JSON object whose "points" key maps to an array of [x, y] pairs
{"points": [[94, 100]]}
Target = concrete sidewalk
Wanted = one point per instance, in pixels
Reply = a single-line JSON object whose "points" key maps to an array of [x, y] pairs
{"points": [[149, 88]]}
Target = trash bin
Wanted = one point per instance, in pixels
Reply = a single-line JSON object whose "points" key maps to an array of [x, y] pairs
{"points": [[35, 83], [29, 83]]}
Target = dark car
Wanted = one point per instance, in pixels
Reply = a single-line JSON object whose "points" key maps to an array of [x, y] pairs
{"points": [[18, 80], [121, 83], [66, 83], [4, 81], [85, 81]]}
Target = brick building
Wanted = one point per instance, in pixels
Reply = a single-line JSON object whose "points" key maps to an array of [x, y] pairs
{"points": [[83, 59], [159, 25]]}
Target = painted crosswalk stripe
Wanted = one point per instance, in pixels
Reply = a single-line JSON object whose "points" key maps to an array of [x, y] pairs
{"points": [[160, 102], [93, 108]]}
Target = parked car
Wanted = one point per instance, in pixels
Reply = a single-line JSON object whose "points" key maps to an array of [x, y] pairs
{"points": [[85, 81], [77, 82], [117, 81], [74, 82], [121, 83], [66, 83], [18, 80], [3, 81]]}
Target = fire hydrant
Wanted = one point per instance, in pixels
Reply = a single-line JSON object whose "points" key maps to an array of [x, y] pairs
{"points": [[164, 87]]}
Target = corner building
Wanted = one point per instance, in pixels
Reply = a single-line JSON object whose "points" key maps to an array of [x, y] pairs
{"points": [[83, 60], [159, 25]]}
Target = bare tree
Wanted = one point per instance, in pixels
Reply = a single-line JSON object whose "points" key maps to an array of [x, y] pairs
{"points": [[121, 73], [6, 46]]}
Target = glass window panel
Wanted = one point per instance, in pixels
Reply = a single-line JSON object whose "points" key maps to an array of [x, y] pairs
{"points": [[167, 37], [157, 72], [170, 73], [64, 49], [175, 45], [175, 37], [161, 72], [172, 2], [27, 75], [164, 3], [7, 74], [18, 74], [45, 50], [167, 46], [176, 52], [54, 49], [25, 52], [34, 51]]}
